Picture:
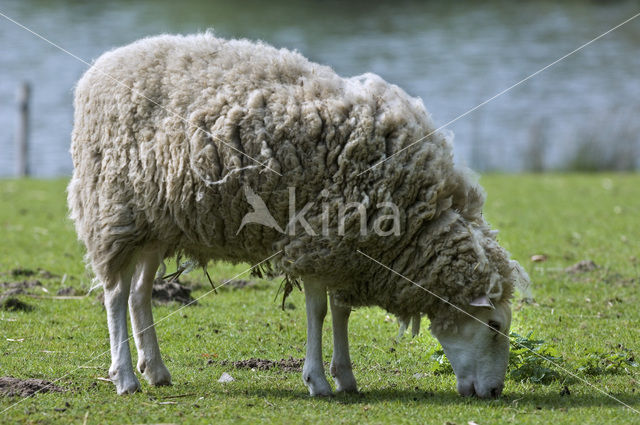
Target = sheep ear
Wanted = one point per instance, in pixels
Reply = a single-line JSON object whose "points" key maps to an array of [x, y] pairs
{"points": [[482, 301]]}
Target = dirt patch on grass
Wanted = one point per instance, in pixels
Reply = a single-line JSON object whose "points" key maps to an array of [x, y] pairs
{"points": [[10, 387], [167, 291], [240, 284], [17, 288], [68, 291], [583, 266], [286, 365], [8, 300], [14, 304], [20, 271]]}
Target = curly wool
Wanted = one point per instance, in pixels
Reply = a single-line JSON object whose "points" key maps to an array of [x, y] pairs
{"points": [[145, 173]]}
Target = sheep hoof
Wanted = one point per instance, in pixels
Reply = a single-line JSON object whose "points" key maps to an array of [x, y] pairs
{"points": [[324, 392], [350, 387], [318, 385], [128, 385], [158, 376], [344, 379]]}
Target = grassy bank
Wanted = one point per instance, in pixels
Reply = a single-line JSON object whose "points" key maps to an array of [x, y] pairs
{"points": [[567, 218]]}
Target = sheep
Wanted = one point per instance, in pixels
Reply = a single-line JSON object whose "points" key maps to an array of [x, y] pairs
{"points": [[177, 138]]}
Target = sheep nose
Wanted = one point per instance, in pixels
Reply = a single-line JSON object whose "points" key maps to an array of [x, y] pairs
{"points": [[467, 390]]}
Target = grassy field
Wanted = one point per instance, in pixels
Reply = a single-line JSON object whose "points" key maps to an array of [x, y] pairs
{"points": [[581, 316]]}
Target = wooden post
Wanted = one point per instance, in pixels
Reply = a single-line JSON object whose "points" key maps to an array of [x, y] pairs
{"points": [[22, 131]]}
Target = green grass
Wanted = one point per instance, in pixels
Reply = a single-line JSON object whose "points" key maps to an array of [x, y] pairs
{"points": [[566, 217]]}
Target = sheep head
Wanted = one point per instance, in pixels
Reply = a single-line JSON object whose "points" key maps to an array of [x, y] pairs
{"points": [[473, 327], [478, 348]]}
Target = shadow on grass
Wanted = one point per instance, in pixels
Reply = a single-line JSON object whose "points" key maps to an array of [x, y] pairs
{"points": [[510, 399]]}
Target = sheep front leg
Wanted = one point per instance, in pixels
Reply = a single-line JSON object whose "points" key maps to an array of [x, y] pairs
{"points": [[121, 372], [340, 361], [149, 360], [313, 370]]}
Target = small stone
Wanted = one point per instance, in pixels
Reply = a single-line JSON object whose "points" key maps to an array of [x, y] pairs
{"points": [[225, 377]]}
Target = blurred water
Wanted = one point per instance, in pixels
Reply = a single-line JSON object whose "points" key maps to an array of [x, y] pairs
{"points": [[453, 56]]}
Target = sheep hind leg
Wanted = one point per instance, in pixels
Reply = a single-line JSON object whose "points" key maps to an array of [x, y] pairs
{"points": [[116, 294], [313, 371], [403, 323], [415, 325], [340, 361], [150, 362]]}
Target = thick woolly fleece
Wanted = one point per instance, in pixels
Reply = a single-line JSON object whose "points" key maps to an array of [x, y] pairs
{"points": [[146, 173]]}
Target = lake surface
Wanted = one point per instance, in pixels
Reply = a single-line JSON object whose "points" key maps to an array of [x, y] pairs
{"points": [[452, 56]]}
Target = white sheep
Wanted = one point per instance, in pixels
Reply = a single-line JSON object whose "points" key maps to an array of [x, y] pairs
{"points": [[170, 129]]}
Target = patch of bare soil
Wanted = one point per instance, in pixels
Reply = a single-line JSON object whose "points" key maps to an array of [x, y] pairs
{"points": [[17, 288], [583, 266], [21, 272], [45, 274], [10, 386], [68, 291], [13, 304], [167, 291], [240, 283], [8, 291], [286, 365]]}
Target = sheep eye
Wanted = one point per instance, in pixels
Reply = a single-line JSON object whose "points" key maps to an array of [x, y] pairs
{"points": [[494, 325]]}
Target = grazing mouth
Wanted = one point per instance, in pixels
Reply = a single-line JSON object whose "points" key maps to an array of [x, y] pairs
{"points": [[470, 391]]}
